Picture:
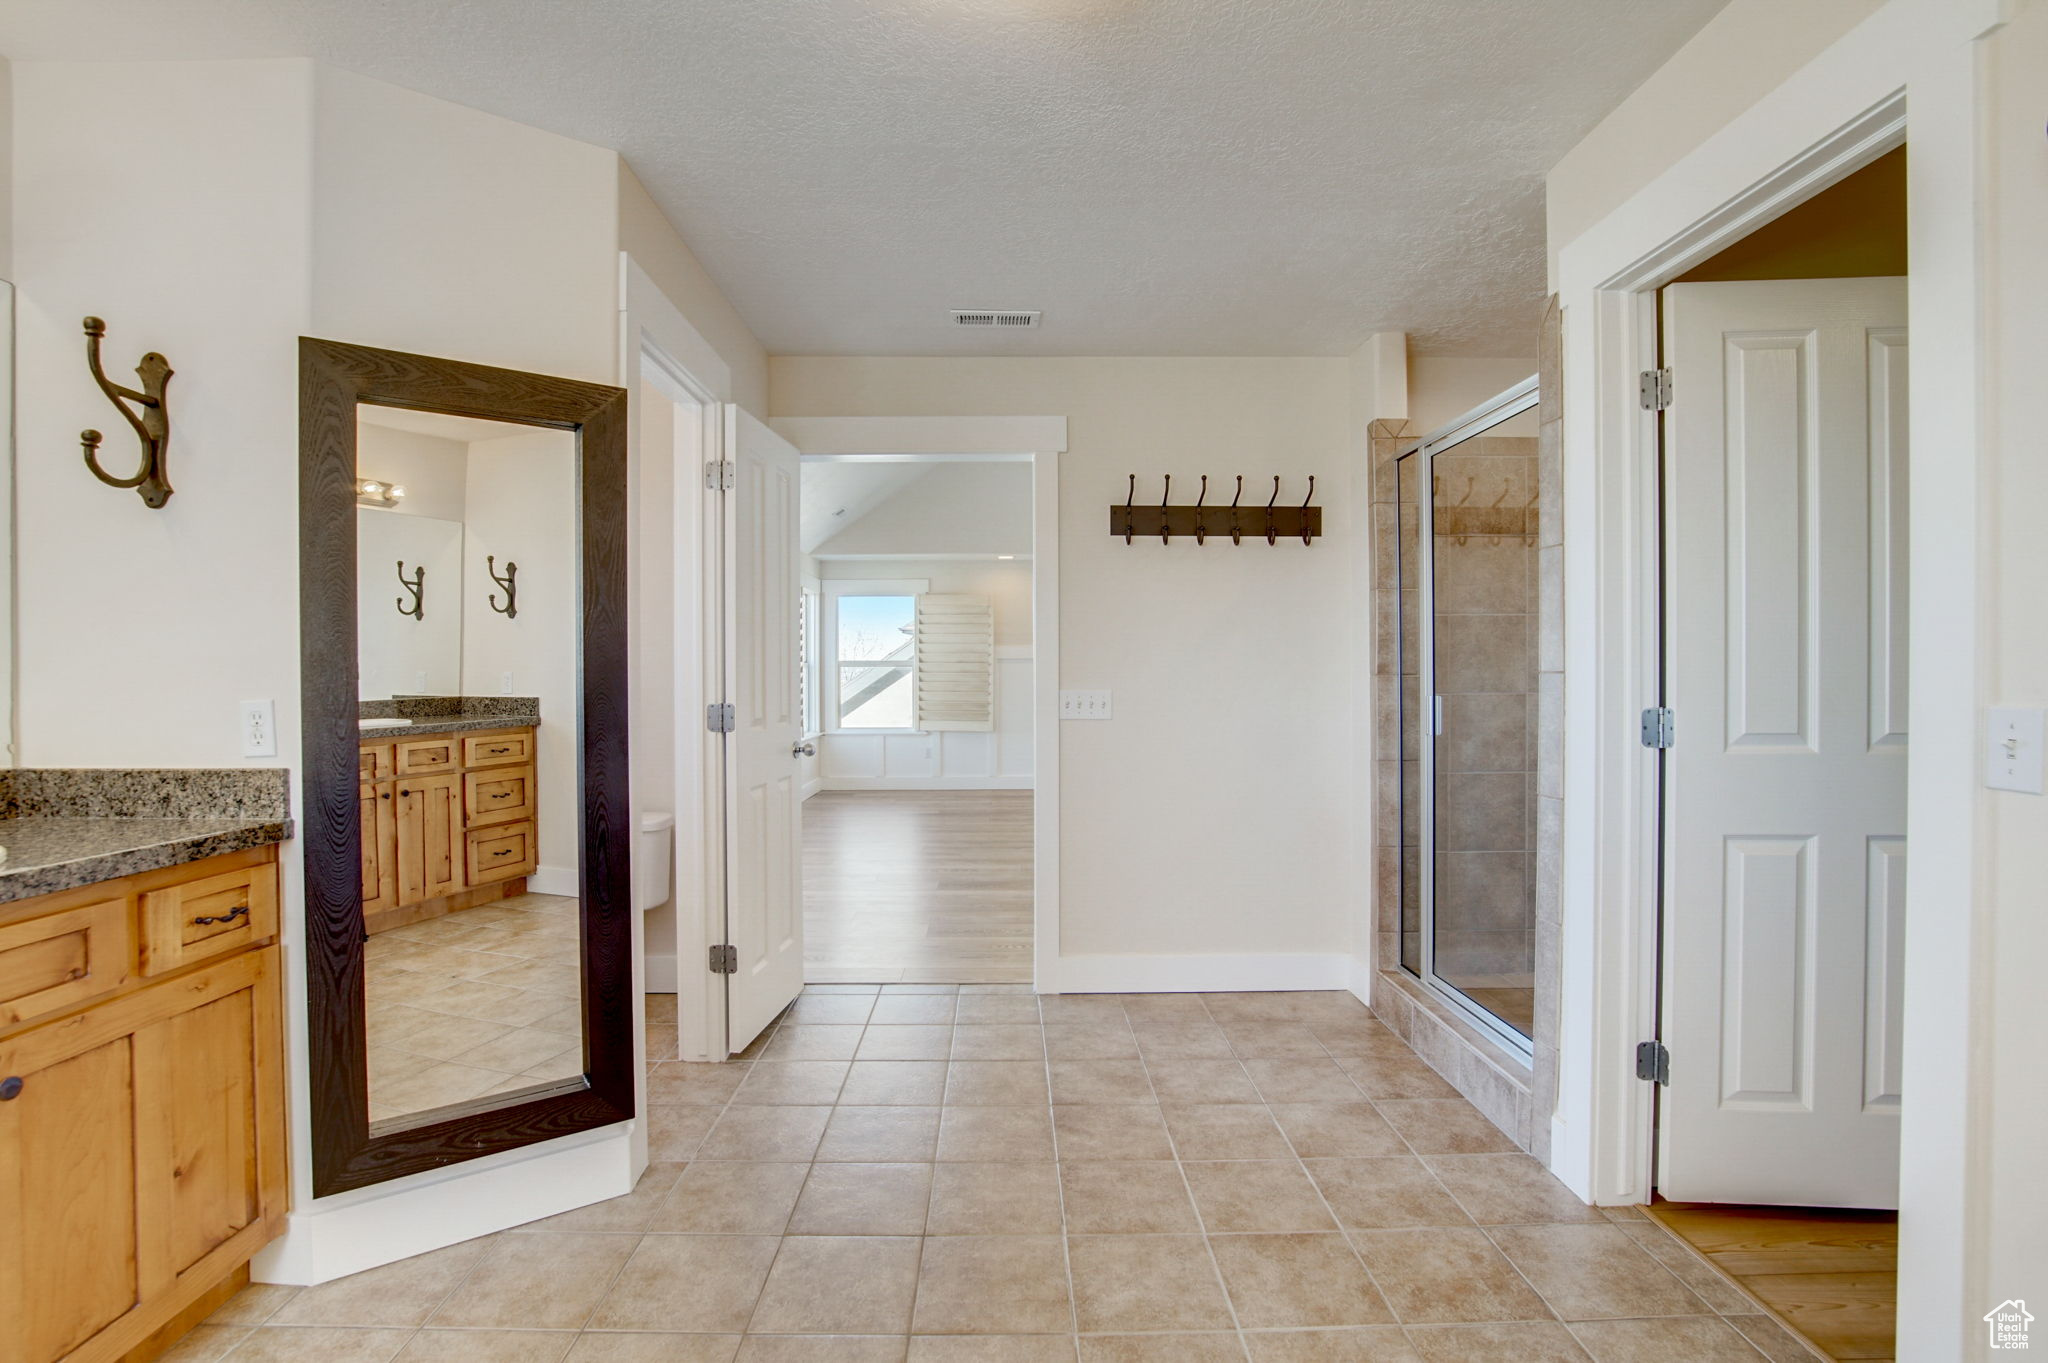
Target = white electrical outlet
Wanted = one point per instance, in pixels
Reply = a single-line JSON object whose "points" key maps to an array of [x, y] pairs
{"points": [[1084, 705], [505, 683], [2013, 750], [259, 728]]}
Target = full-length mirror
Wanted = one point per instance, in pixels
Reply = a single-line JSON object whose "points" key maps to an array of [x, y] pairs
{"points": [[463, 584]]}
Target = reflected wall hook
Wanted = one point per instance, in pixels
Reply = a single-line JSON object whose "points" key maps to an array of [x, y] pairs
{"points": [[1130, 498], [417, 585], [1201, 531], [1305, 539], [152, 426], [510, 610], [1165, 497], [1270, 533], [1236, 531]]}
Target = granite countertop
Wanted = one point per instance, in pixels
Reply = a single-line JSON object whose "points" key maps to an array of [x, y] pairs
{"points": [[67, 828], [448, 715], [451, 725]]}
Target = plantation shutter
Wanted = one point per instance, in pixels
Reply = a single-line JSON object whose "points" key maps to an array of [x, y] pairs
{"points": [[955, 663]]}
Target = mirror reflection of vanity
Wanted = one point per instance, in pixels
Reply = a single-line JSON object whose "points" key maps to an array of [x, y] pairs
{"points": [[463, 581]]}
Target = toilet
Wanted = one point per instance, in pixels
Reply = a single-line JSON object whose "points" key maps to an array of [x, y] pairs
{"points": [[651, 858]]}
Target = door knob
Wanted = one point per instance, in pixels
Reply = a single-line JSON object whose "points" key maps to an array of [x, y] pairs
{"points": [[10, 1088], [803, 750]]}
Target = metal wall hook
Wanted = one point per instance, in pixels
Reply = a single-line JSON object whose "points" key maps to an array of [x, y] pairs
{"points": [[1130, 498], [1165, 496], [1236, 531], [1201, 531], [152, 426], [417, 585], [1272, 535], [1305, 538], [509, 581]]}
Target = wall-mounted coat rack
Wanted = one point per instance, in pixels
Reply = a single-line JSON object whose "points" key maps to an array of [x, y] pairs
{"points": [[152, 424], [509, 580], [417, 586], [1199, 520]]}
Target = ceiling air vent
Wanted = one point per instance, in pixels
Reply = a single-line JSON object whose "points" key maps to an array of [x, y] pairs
{"points": [[995, 319]]}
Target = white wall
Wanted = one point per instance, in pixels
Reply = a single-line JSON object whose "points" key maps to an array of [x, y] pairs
{"points": [[647, 235], [397, 652], [954, 508], [1442, 388], [521, 503], [1213, 817], [429, 467]]}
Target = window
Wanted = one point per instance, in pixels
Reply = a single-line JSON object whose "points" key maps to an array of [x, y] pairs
{"points": [[807, 656], [871, 671]]}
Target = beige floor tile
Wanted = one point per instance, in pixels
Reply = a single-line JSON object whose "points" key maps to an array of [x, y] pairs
{"points": [[1680, 1339], [765, 1133], [1257, 1195], [1126, 1198], [834, 987], [873, 1135], [824, 1009], [998, 1041], [995, 1133], [823, 1349], [991, 1348], [1445, 1275], [1163, 1008], [1395, 1076], [1201, 1081], [1367, 1344], [905, 1043], [1272, 1040], [736, 1198], [1354, 1035], [1592, 1272], [1100, 1081], [1206, 1131], [1337, 1130], [993, 1284], [1499, 1190], [693, 1083], [1385, 1193], [1524, 1342], [895, 1010], [996, 1083], [688, 1284], [805, 1041], [1175, 1348], [1771, 1339], [1444, 1126], [1256, 1007], [593, 1346], [521, 1049], [536, 1282], [792, 1083], [675, 1133], [995, 1199], [487, 1346], [1181, 1041], [1308, 1079], [863, 1199], [1145, 1282], [934, 987], [254, 1304], [1011, 1008], [1090, 1041], [885, 1083], [1277, 1281], [496, 1003], [629, 1213], [1684, 1264], [839, 1285], [1112, 1131], [1100, 1010], [319, 1344], [205, 1343]]}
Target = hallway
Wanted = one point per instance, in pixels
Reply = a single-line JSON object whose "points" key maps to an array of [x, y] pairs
{"points": [[941, 1175]]}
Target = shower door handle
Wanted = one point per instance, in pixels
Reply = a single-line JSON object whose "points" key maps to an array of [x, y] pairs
{"points": [[1436, 716]]}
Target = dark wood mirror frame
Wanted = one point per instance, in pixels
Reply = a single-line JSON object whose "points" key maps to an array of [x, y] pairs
{"points": [[334, 379]]}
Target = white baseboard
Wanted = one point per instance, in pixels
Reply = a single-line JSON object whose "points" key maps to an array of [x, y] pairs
{"points": [[926, 783], [554, 880], [336, 1236], [1358, 978], [1220, 973], [811, 787], [661, 976]]}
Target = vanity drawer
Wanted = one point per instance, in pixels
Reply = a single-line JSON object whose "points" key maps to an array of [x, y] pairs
{"points": [[497, 750], [207, 917], [497, 795], [500, 852], [425, 756], [376, 762], [62, 959]]}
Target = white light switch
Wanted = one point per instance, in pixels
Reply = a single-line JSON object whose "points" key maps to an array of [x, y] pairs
{"points": [[2012, 750], [1084, 705], [259, 728]]}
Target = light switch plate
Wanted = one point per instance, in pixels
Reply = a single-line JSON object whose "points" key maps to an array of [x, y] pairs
{"points": [[2013, 750], [1084, 705], [259, 728]]}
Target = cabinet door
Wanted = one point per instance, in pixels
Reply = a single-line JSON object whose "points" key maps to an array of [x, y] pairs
{"points": [[429, 837], [67, 1182], [380, 847]]}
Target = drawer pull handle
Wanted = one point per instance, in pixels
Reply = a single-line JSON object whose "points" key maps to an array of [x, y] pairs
{"points": [[502, 795], [10, 1088], [503, 852], [239, 911], [497, 752]]}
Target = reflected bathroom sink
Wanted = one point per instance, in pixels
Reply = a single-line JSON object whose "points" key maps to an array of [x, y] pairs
{"points": [[382, 723]]}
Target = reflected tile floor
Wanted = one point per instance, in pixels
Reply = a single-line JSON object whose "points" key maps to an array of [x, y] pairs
{"points": [[932, 1174], [480, 1001]]}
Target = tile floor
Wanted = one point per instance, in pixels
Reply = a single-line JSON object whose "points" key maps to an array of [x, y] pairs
{"points": [[481, 1001], [978, 1175]]}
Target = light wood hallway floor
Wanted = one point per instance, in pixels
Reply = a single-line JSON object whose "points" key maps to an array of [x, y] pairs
{"points": [[918, 887]]}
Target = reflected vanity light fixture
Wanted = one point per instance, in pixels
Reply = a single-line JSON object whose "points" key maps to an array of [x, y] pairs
{"points": [[377, 492]]}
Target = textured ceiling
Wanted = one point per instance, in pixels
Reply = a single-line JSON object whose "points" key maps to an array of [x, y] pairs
{"points": [[1224, 177]]}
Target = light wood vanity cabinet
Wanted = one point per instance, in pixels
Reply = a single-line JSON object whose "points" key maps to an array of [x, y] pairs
{"points": [[448, 821], [142, 1146]]}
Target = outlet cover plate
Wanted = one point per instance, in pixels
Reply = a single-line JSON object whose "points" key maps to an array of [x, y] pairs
{"points": [[2013, 750], [1084, 705]]}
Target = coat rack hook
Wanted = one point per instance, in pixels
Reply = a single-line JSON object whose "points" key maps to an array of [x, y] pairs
{"points": [[1164, 497], [417, 585], [1236, 531], [1130, 498], [1305, 537], [509, 581], [1201, 531], [1271, 534], [152, 426]]}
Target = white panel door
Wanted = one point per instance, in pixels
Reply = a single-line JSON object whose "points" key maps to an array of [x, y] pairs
{"points": [[1786, 656], [764, 790]]}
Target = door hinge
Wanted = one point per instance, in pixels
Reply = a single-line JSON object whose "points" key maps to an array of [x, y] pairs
{"points": [[721, 718], [719, 477], [1656, 389], [1658, 727], [1653, 1062], [725, 960]]}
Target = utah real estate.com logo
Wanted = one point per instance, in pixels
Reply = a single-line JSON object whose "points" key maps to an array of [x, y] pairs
{"points": [[2008, 1323]]}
